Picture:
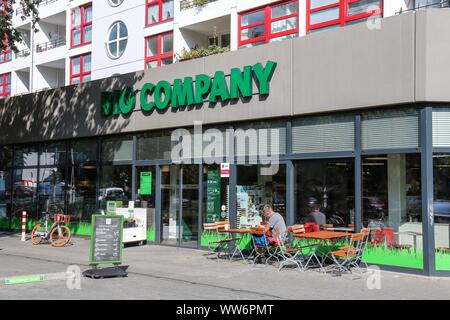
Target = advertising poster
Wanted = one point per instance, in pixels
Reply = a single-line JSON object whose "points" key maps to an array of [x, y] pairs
{"points": [[213, 196]]}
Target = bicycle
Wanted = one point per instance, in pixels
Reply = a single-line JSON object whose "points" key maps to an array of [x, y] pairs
{"points": [[59, 234]]}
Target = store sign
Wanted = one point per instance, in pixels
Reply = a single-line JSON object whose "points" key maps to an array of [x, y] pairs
{"points": [[224, 170], [190, 90]]}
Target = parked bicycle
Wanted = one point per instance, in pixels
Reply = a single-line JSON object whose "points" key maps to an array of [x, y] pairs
{"points": [[58, 234]]}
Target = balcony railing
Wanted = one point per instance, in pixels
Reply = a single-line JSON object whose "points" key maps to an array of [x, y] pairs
{"points": [[188, 4], [20, 10], [23, 53], [50, 45], [433, 4]]}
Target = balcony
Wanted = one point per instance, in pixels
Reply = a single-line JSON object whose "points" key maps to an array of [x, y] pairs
{"points": [[422, 4], [188, 4], [23, 53], [58, 42], [20, 10]]}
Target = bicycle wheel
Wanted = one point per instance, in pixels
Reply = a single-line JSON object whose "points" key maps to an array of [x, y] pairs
{"points": [[36, 234], [59, 237]]}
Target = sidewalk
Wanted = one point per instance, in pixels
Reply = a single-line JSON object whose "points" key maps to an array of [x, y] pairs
{"points": [[160, 272]]}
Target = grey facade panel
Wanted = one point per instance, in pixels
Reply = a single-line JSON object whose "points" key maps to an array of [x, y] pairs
{"points": [[355, 67], [348, 68]]}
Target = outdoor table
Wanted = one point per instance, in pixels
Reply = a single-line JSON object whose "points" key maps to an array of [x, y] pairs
{"points": [[324, 237], [342, 229], [238, 242], [414, 234]]}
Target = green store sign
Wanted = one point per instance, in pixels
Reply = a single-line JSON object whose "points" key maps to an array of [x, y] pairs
{"points": [[190, 90]]}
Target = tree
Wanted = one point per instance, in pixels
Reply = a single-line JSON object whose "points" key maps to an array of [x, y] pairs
{"points": [[12, 36]]}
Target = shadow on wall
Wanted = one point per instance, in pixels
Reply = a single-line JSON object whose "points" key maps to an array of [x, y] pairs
{"points": [[62, 113]]}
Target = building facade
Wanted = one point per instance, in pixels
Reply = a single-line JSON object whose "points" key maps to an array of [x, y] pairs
{"points": [[355, 120], [80, 40]]}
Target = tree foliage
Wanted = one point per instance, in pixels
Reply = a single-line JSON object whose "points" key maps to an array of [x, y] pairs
{"points": [[8, 10]]}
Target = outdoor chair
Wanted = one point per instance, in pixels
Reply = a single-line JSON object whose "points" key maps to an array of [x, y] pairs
{"points": [[288, 254], [311, 227], [349, 256], [221, 245], [262, 249]]}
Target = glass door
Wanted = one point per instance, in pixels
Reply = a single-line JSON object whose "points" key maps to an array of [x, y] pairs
{"points": [[179, 205], [145, 196]]}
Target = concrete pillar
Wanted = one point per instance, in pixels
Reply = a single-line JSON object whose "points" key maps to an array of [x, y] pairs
{"points": [[396, 190]]}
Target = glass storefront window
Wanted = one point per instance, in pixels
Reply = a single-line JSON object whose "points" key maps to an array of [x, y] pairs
{"points": [[5, 157], [52, 154], [154, 145], [328, 184], [5, 197], [51, 190], [441, 209], [117, 149], [24, 193], [115, 185], [391, 206], [82, 179], [257, 186], [26, 156]]}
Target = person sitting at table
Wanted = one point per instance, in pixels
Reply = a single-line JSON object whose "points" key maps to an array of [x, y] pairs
{"points": [[316, 216], [275, 220]]}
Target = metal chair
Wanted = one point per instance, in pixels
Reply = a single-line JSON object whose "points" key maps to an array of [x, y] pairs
{"points": [[349, 256], [288, 254], [261, 246], [223, 241]]}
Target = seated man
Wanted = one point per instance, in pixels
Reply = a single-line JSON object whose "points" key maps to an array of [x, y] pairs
{"points": [[316, 216], [275, 221]]}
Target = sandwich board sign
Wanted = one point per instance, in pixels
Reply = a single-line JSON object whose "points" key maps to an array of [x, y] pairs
{"points": [[106, 239], [106, 246]]}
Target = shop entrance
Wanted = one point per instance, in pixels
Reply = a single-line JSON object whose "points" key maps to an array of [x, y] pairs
{"points": [[179, 205]]}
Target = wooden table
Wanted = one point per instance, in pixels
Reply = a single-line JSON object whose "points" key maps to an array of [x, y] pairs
{"points": [[343, 229], [244, 230], [324, 237]]}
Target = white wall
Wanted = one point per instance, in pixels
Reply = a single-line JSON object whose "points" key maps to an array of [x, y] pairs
{"points": [[132, 13], [45, 77], [20, 82]]}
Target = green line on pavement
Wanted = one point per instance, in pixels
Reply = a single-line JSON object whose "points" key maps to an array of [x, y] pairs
{"points": [[24, 279]]}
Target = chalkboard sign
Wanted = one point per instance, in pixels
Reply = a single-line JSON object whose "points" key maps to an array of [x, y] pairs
{"points": [[106, 239]]}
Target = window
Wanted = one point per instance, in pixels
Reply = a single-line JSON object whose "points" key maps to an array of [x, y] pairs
{"points": [[6, 7], [159, 11], [5, 56], [115, 3], [117, 40], [159, 50], [81, 29], [333, 13], [267, 24], [5, 85], [80, 69]]}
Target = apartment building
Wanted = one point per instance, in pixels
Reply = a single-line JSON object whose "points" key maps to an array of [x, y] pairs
{"points": [[83, 40]]}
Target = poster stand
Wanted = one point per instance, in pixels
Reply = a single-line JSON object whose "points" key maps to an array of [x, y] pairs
{"points": [[106, 247]]}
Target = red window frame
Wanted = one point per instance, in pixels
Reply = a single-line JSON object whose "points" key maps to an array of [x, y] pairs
{"points": [[6, 4], [82, 73], [5, 84], [159, 56], [343, 19], [267, 23], [159, 3], [83, 24], [4, 54]]}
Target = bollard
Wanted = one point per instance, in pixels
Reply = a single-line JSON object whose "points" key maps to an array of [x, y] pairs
{"points": [[24, 225]]}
